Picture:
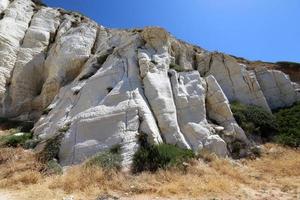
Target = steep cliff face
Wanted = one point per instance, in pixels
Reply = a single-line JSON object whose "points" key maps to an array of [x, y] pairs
{"points": [[97, 87]]}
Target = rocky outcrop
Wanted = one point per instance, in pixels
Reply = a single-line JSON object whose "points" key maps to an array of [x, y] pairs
{"points": [[237, 83], [97, 88], [277, 87]]}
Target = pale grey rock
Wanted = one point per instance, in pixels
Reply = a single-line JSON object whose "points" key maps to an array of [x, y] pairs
{"points": [[216, 145], [237, 83], [157, 86], [71, 51], [218, 109], [27, 79], [12, 31], [277, 87], [3, 5], [108, 110], [189, 91]]}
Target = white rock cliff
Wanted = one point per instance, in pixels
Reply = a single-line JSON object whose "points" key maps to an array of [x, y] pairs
{"points": [[98, 87]]}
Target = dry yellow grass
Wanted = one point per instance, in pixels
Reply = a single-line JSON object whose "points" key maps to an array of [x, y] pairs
{"points": [[18, 167], [276, 173]]}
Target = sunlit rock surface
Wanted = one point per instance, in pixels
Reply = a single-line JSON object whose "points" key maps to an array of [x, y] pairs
{"points": [[98, 87]]}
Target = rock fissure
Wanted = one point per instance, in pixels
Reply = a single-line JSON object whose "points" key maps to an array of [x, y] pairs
{"points": [[229, 74]]}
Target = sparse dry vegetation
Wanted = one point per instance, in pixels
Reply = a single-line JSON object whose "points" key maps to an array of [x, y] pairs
{"points": [[276, 172]]}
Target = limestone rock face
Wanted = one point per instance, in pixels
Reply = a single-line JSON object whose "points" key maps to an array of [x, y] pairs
{"points": [[277, 87], [189, 91], [29, 66], [13, 26], [237, 83], [96, 88], [219, 110]]}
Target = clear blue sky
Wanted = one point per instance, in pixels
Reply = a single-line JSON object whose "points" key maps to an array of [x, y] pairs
{"points": [[266, 30]]}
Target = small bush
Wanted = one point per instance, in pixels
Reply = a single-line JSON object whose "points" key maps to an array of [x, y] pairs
{"points": [[50, 150], [15, 140], [289, 126], [154, 157], [254, 120], [107, 160], [53, 167], [31, 143]]}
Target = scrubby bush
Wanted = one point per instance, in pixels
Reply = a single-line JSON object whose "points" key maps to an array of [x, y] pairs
{"points": [[14, 140], [161, 156], [50, 149], [110, 159], [53, 167], [31, 143], [289, 126], [254, 120]]}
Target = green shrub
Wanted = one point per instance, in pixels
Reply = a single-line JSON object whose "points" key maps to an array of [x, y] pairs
{"points": [[254, 120], [14, 140], [53, 167], [111, 159], [154, 157], [289, 126], [31, 143], [50, 149]]}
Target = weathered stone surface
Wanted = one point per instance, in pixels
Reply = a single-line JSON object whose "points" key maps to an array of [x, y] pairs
{"points": [[237, 83], [13, 26], [3, 5], [71, 51], [106, 109], [27, 79], [218, 109], [189, 91], [158, 92], [97, 87], [277, 87]]}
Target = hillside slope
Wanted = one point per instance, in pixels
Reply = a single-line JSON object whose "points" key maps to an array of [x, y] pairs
{"points": [[89, 88]]}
